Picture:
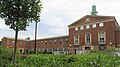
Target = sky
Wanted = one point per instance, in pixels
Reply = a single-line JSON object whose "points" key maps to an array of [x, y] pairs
{"points": [[58, 14]]}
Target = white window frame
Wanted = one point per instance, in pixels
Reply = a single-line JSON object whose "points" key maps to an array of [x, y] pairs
{"points": [[55, 41], [76, 39], [86, 38], [66, 40], [61, 41], [101, 24], [100, 37], [94, 26], [76, 28], [82, 28], [88, 27]]}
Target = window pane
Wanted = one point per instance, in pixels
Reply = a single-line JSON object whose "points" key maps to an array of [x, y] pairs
{"points": [[81, 28], [88, 38], [50, 41], [55, 41], [101, 24], [76, 29], [60, 41], [94, 26], [102, 37], [76, 39], [66, 39], [87, 27]]}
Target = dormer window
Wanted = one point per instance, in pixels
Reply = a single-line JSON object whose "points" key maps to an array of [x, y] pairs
{"points": [[101, 24], [88, 26], [76, 28]]}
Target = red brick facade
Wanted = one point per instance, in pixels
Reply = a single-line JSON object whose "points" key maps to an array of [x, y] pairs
{"points": [[89, 32]]}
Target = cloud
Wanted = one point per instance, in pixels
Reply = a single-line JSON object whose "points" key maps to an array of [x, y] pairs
{"points": [[2, 24], [58, 14]]}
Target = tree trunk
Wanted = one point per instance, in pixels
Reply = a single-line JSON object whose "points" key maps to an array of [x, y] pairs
{"points": [[15, 43], [35, 36]]}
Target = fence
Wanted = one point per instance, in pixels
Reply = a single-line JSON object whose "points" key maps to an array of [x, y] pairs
{"points": [[115, 52]]}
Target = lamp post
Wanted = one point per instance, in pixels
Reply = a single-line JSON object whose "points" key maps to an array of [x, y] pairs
{"points": [[110, 43], [35, 36]]}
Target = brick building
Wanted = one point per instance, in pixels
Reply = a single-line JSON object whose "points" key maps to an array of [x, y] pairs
{"points": [[89, 32]]}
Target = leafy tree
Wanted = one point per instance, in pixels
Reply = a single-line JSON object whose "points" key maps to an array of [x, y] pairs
{"points": [[17, 14]]}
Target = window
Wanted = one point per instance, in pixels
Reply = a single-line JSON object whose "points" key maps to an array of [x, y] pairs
{"points": [[87, 38], [76, 28], [50, 41], [101, 24], [66, 40], [94, 26], [88, 26], [60, 41], [45, 42], [101, 38], [41, 42], [38, 43], [13, 42], [20, 42], [31, 43], [76, 39], [55, 41], [26, 43], [81, 28]]}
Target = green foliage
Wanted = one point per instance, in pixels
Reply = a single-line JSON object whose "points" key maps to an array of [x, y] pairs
{"points": [[18, 13], [5, 56], [94, 59], [85, 60]]}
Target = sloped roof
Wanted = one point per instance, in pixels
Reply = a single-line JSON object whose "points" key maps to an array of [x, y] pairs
{"points": [[54, 37], [92, 19], [14, 38]]}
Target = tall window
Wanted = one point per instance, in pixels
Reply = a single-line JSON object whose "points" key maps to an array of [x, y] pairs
{"points": [[26, 43], [55, 41], [41, 42], [45, 42], [61, 41], [66, 40], [87, 38], [76, 39], [50, 41], [13, 42], [30, 43], [102, 37], [20, 43]]}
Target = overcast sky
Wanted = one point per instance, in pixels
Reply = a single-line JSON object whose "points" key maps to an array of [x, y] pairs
{"points": [[58, 14]]}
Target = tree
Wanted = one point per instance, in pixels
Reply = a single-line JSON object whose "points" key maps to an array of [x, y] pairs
{"points": [[17, 14]]}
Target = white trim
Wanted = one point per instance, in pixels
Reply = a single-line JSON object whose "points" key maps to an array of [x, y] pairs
{"points": [[92, 23]]}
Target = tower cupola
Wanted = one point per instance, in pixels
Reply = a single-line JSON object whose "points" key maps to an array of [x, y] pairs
{"points": [[94, 12]]}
